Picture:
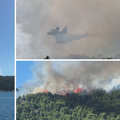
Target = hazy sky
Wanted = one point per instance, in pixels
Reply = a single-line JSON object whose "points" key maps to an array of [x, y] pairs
{"points": [[99, 18], [7, 37], [60, 76]]}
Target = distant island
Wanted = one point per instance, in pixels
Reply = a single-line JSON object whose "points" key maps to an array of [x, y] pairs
{"points": [[6, 83]]}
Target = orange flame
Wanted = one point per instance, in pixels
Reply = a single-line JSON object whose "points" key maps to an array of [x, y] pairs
{"points": [[64, 93], [91, 89], [78, 90], [46, 91]]}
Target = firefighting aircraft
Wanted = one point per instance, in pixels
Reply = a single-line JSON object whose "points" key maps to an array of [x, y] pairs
{"points": [[63, 38], [56, 31]]}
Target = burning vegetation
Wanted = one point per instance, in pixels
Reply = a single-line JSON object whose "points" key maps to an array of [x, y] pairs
{"points": [[90, 75], [96, 105], [58, 95], [77, 90]]}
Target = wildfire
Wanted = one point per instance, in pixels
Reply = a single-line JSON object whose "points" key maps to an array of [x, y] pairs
{"points": [[78, 90], [46, 91], [65, 93], [91, 90]]}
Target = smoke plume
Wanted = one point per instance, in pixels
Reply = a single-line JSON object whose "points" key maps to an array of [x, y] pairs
{"points": [[35, 18], [58, 77], [66, 38]]}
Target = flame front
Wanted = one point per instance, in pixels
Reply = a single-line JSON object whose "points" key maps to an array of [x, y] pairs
{"points": [[65, 93], [46, 91], [78, 90]]}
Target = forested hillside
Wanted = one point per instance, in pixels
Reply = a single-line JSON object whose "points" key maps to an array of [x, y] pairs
{"points": [[6, 83], [95, 105]]}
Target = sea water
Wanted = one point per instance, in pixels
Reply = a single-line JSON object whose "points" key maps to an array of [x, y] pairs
{"points": [[6, 105]]}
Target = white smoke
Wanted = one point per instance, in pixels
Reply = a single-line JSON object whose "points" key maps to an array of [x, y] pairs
{"points": [[23, 40], [115, 82], [100, 18], [66, 76]]}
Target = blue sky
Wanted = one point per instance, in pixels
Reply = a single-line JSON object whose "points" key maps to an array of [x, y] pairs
{"points": [[23, 72], [7, 37]]}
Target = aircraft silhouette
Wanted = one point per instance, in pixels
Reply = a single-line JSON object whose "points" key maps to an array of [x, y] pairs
{"points": [[63, 38], [56, 31]]}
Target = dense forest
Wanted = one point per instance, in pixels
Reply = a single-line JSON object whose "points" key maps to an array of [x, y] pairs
{"points": [[95, 105], [6, 83]]}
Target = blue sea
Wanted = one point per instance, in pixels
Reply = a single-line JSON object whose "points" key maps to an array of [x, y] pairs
{"points": [[6, 105]]}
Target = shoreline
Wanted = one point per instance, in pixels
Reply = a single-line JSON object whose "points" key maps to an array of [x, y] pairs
{"points": [[7, 91]]}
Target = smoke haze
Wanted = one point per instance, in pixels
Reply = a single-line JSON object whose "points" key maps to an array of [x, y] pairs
{"points": [[35, 18], [58, 77], [66, 38]]}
